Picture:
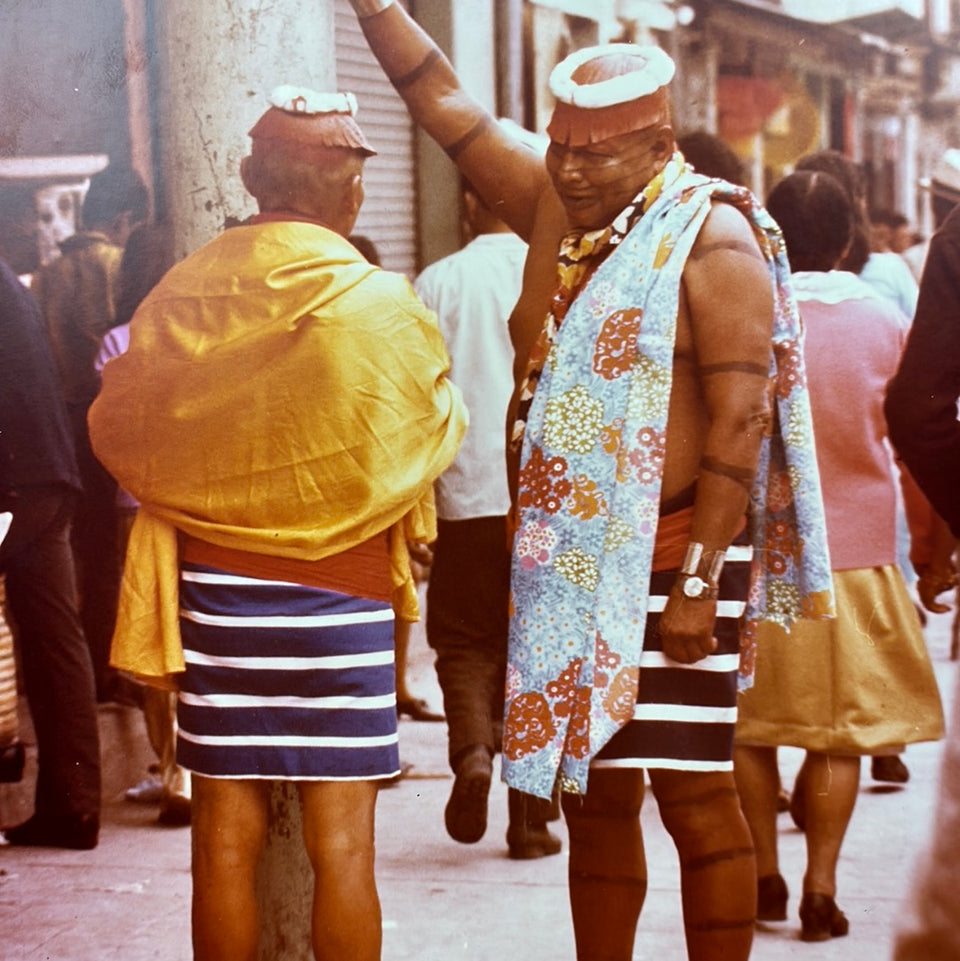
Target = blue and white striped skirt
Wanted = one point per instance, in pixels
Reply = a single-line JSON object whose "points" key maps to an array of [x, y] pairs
{"points": [[686, 714], [284, 681]]}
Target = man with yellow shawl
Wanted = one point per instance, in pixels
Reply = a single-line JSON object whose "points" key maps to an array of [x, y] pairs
{"points": [[667, 493], [281, 415]]}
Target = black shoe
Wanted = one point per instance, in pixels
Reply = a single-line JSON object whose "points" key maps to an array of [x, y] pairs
{"points": [[889, 768], [528, 836], [536, 842], [12, 761], [76, 832], [772, 898], [466, 812], [821, 919], [175, 811]]}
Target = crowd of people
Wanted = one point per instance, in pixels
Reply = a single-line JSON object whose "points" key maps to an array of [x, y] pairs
{"points": [[634, 434]]}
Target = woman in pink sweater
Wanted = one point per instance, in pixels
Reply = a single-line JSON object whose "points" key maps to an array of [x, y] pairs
{"points": [[862, 682]]}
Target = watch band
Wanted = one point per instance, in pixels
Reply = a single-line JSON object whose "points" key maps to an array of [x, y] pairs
{"points": [[699, 575], [369, 8]]}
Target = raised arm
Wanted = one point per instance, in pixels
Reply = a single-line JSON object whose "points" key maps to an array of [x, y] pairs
{"points": [[729, 302], [510, 177]]}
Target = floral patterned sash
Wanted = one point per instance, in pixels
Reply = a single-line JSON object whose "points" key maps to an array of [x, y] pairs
{"points": [[589, 491]]}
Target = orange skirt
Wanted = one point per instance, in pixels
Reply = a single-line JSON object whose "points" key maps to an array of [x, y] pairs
{"points": [[854, 685]]}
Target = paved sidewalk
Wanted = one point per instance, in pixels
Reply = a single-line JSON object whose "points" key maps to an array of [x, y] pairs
{"points": [[129, 898]]}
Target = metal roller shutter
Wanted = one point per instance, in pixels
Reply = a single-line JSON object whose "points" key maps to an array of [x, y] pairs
{"points": [[389, 213]]}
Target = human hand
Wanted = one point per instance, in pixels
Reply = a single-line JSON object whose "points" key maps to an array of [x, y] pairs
{"points": [[421, 557], [935, 580], [686, 627]]}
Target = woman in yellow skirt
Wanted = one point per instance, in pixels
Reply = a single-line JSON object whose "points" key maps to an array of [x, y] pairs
{"points": [[862, 683]]}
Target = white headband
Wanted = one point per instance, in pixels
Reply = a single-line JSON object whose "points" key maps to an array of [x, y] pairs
{"points": [[656, 73], [301, 100]]}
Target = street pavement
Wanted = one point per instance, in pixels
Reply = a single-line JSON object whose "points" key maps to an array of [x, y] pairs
{"points": [[130, 898]]}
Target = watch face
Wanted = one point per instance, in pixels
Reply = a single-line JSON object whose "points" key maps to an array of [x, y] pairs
{"points": [[694, 586]]}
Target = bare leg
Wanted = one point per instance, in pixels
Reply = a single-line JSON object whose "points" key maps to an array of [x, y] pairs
{"points": [[229, 829], [608, 871], [718, 878], [831, 784], [338, 831], [401, 642], [758, 784]]}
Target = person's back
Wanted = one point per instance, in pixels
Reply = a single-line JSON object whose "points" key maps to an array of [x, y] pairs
{"points": [[39, 484], [473, 292], [77, 291], [281, 414], [854, 338]]}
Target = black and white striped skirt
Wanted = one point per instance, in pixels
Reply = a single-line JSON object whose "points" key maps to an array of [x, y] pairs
{"points": [[686, 714], [284, 681]]}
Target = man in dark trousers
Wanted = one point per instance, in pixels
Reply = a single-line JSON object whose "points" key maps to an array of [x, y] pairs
{"points": [[39, 484]]}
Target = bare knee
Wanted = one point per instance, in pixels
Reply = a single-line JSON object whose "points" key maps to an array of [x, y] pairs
{"points": [[697, 805], [338, 824], [229, 824]]}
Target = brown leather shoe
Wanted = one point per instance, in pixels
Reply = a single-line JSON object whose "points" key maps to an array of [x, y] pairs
{"points": [[528, 836], [466, 813], [75, 832]]}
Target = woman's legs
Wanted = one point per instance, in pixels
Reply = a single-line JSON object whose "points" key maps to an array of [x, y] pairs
{"points": [[338, 831], [718, 878], [229, 829], [607, 872], [758, 784], [830, 789]]}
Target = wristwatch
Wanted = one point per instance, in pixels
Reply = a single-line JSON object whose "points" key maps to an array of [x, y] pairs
{"points": [[700, 573], [697, 588]]}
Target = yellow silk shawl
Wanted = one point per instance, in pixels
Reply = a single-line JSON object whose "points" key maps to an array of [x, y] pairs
{"points": [[282, 396]]}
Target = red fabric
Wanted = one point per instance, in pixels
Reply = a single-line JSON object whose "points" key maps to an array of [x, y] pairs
{"points": [[673, 535], [362, 571]]}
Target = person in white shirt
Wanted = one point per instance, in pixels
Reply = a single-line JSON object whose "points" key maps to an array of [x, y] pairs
{"points": [[473, 292]]}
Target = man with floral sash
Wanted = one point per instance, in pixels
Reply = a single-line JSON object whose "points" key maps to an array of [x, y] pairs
{"points": [[666, 491]]}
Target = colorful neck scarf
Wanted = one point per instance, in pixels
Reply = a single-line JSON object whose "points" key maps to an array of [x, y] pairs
{"points": [[589, 487]]}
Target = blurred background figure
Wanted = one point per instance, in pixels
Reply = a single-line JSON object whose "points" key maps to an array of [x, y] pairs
{"points": [[77, 294], [944, 196], [713, 156], [39, 485], [146, 258], [862, 682], [473, 293]]}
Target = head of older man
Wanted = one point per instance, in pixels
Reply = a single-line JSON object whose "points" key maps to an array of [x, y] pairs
{"points": [[611, 130], [307, 157]]}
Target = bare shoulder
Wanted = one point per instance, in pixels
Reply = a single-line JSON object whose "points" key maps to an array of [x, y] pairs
{"points": [[726, 230], [728, 289]]}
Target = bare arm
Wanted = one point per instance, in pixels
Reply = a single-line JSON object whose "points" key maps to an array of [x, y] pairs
{"points": [[727, 290], [510, 177]]}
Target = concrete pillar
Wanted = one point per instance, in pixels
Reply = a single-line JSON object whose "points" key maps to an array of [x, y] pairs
{"points": [[466, 33], [137, 54], [219, 60]]}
